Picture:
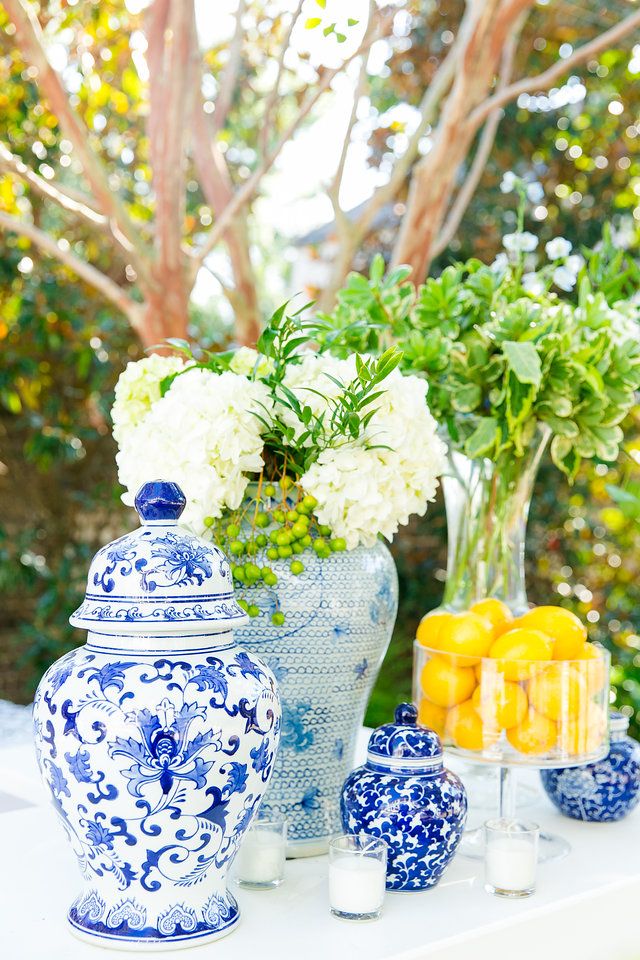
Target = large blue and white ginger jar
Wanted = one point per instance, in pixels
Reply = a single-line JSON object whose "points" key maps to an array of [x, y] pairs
{"points": [[157, 738], [340, 614], [404, 795], [608, 789]]}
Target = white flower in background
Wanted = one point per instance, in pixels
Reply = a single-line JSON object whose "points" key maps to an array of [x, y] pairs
{"points": [[371, 486], [137, 390], [564, 279], [533, 284], [312, 381], [535, 191], [574, 263], [509, 181], [624, 235], [625, 322], [524, 242], [500, 263], [204, 435], [558, 248], [245, 360]]}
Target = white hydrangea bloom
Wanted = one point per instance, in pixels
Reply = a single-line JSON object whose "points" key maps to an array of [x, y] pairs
{"points": [[137, 390], [246, 360], [204, 435], [371, 486], [312, 384], [558, 248], [524, 242]]}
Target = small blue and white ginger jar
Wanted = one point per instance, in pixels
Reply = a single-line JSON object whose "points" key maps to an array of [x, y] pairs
{"points": [[608, 789], [157, 738], [404, 795]]}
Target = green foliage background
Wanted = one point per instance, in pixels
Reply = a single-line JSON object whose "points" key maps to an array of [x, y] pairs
{"points": [[62, 350]]}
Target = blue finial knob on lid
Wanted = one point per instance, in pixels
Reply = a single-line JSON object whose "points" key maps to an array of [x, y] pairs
{"points": [[392, 744], [406, 714], [160, 501]]}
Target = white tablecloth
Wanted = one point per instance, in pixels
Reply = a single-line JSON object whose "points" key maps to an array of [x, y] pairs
{"points": [[585, 908]]}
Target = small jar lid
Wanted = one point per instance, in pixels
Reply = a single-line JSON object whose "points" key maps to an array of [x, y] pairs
{"points": [[403, 745], [159, 579], [618, 722]]}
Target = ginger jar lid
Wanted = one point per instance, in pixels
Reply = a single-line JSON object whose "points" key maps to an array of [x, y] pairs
{"points": [[618, 722], [159, 579], [403, 745]]}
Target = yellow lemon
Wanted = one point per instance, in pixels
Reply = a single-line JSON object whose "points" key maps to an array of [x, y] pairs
{"points": [[583, 735], [432, 716], [593, 668], [566, 630], [500, 705], [429, 629], [464, 727], [496, 612], [519, 645], [466, 635], [535, 735], [558, 692], [445, 684]]}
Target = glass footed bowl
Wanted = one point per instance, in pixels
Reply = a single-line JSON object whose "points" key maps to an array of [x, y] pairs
{"points": [[539, 713]]}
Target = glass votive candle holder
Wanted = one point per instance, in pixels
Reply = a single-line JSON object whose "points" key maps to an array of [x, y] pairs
{"points": [[357, 876], [511, 857], [260, 861]]}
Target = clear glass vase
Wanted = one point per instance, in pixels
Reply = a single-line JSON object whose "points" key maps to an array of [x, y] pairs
{"points": [[487, 506]]}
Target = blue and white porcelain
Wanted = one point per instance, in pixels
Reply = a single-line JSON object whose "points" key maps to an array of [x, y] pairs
{"points": [[404, 795], [608, 789], [340, 614], [157, 738]]}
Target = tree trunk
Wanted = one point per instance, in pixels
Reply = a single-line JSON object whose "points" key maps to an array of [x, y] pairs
{"points": [[434, 176], [432, 184], [243, 297], [164, 313], [218, 190]]}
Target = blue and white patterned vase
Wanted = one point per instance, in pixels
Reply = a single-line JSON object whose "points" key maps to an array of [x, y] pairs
{"points": [[608, 789], [339, 619], [404, 795], [157, 738]]}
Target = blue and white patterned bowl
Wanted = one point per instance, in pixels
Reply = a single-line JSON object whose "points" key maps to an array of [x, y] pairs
{"points": [[608, 789], [404, 795]]}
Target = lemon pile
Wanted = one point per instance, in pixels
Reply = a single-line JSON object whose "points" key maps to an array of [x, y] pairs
{"points": [[535, 677]]}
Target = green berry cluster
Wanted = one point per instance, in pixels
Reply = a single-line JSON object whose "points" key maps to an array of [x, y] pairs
{"points": [[277, 523]]}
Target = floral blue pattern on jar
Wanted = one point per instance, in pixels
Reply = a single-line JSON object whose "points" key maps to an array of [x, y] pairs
{"points": [[404, 795], [608, 789], [157, 738]]}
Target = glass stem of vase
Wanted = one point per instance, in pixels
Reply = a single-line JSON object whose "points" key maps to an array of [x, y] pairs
{"points": [[506, 793], [487, 505]]}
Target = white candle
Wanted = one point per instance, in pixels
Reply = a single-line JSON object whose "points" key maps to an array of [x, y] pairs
{"points": [[356, 884], [511, 863], [261, 857]]}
